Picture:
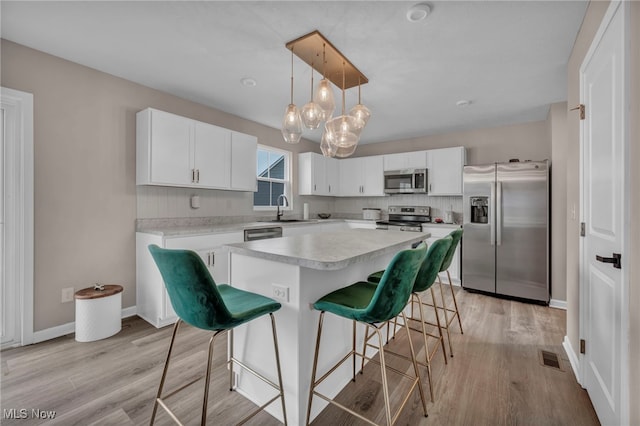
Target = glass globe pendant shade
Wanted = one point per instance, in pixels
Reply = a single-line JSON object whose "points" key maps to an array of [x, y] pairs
{"points": [[361, 112], [311, 115], [328, 150], [323, 97], [345, 152], [345, 131], [292, 125]]}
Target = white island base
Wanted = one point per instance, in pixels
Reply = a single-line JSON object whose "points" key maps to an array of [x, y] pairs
{"points": [[304, 268]]}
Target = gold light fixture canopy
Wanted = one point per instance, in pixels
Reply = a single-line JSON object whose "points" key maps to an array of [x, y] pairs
{"points": [[310, 49]]}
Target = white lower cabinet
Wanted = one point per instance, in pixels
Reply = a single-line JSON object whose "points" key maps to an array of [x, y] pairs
{"points": [[152, 301], [437, 232]]}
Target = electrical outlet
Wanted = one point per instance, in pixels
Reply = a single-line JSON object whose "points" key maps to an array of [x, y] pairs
{"points": [[280, 292], [67, 295]]}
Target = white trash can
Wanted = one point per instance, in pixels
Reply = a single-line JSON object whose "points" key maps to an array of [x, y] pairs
{"points": [[98, 312]]}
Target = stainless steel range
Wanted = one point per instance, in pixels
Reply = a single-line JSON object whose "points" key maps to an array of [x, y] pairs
{"points": [[406, 218]]}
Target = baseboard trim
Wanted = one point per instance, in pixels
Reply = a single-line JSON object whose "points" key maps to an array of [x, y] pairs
{"points": [[558, 304], [70, 327], [573, 358]]}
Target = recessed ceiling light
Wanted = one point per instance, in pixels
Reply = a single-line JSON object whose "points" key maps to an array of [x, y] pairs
{"points": [[463, 103], [418, 12], [248, 81]]}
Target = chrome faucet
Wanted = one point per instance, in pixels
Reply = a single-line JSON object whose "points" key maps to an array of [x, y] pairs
{"points": [[286, 200]]}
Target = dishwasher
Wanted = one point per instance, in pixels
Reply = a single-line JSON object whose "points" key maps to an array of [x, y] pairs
{"points": [[262, 233]]}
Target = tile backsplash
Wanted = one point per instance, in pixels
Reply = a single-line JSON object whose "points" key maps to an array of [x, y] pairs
{"points": [[155, 202], [352, 206]]}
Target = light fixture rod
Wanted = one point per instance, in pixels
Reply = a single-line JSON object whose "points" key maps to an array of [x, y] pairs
{"points": [[342, 88], [291, 76]]}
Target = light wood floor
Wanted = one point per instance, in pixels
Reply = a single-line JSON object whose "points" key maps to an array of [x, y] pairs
{"points": [[495, 377]]}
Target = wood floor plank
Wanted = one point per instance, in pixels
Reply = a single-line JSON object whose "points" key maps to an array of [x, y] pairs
{"points": [[494, 378]]}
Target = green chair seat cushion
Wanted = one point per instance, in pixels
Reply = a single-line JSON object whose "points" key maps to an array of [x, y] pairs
{"points": [[196, 298], [371, 303], [244, 305], [348, 302], [375, 277]]}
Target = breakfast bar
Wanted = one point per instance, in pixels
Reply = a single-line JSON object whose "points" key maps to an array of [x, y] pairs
{"points": [[297, 271]]}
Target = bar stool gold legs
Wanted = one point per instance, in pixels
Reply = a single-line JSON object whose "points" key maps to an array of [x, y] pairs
{"points": [[160, 398], [390, 419], [446, 309], [416, 299]]}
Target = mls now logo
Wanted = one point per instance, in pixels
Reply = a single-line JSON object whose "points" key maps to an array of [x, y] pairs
{"points": [[23, 413]]}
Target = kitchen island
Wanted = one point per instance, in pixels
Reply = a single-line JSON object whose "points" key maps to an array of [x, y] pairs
{"points": [[297, 271]]}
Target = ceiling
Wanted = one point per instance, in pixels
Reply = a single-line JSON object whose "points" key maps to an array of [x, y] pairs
{"points": [[508, 58]]}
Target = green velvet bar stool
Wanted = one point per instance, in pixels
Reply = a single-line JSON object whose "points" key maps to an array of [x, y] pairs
{"points": [[372, 305], [424, 281], [447, 309], [198, 301]]}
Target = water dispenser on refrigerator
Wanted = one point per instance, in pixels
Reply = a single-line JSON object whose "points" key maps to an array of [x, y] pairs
{"points": [[479, 209]]}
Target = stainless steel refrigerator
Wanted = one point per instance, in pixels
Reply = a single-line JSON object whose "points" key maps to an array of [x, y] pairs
{"points": [[506, 229]]}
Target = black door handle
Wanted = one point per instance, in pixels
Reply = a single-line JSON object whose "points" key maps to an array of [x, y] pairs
{"points": [[615, 260]]}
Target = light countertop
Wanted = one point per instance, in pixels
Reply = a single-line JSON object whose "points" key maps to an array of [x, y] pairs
{"points": [[179, 230], [330, 250]]}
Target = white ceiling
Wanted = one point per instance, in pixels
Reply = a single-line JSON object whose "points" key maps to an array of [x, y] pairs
{"points": [[507, 57]]}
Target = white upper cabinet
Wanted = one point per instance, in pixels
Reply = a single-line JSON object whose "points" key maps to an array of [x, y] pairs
{"points": [[211, 146], [445, 170], [405, 160], [170, 162], [362, 176], [244, 149], [176, 151], [332, 173], [317, 175]]}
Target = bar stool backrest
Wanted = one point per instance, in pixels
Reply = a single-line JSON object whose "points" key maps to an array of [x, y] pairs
{"points": [[431, 265], [395, 286], [192, 291], [456, 237]]}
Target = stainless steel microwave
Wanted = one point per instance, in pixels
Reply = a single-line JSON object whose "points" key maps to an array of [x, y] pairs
{"points": [[407, 181]]}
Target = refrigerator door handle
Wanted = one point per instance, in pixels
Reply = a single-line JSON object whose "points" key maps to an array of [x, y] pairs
{"points": [[492, 229], [498, 213]]}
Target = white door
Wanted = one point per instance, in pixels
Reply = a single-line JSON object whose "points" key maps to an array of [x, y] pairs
{"points": [[603, 306], [7, 289], [16, 217]]}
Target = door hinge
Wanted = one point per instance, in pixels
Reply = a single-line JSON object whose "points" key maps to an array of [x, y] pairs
{"points": [[581, 108], [583, 345], [582, 229]]}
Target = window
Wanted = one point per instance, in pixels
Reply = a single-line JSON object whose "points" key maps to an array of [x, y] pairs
{"points": [[272, 171]]}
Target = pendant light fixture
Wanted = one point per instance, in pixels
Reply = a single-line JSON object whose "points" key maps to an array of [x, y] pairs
{"points": [[341, 134], [344, 130], [311, 113], [360, 111], [292, 123], [324, 94]]}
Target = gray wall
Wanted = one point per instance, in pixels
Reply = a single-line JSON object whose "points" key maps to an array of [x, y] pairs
{"points": [[529, 141], [85, 192]]}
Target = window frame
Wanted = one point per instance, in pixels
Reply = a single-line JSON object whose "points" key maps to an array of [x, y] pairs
{"points": [[288, 155]]}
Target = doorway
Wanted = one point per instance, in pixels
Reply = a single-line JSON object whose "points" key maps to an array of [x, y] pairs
{"points": [[604, 285], [16, 217]]}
